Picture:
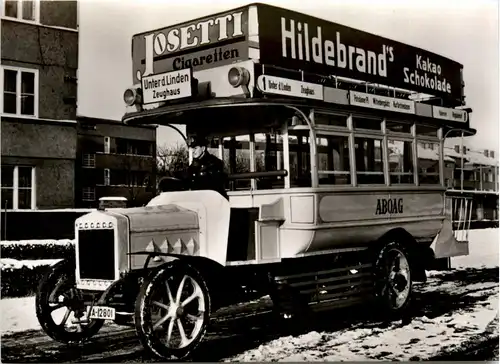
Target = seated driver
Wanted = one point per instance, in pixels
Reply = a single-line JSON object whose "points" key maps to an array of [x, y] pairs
{"points": [[206, 172]]}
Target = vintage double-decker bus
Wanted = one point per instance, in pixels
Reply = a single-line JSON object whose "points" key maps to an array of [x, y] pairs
{"points": [[330, 201]]}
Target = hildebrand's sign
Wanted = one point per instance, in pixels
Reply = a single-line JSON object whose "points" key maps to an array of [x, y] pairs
{"points": [[297, 41], [199, 44]]}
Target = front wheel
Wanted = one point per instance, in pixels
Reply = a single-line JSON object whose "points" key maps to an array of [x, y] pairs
{"points": [[393, 280], [60, 308], [173, 311]]}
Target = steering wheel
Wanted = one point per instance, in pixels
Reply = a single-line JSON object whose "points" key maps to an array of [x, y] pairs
{"points": [[171, 184]]}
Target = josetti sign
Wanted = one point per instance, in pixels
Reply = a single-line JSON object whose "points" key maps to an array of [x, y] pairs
{"points": [[297, 41], [199, 44]]}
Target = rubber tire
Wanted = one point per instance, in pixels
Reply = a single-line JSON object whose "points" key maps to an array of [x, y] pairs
{"points": [[383, 307], [143, 324], [61, 270]]}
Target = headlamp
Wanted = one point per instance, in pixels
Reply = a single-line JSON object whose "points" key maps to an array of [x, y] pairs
{"points": [[132, 96], [238, 76]]}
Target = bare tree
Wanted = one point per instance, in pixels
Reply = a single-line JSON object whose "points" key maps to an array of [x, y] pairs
{"points": [[171, 160]]}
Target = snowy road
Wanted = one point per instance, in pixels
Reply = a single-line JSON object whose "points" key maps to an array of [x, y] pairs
{"points": [[450, 309]]}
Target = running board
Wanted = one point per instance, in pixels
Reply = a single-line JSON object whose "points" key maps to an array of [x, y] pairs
{"points": [[339, 303], [337, 287]]}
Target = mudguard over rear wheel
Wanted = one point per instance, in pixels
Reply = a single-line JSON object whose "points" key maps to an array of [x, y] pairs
{"points": [[57, 291], [393, 279], [173, 311]]}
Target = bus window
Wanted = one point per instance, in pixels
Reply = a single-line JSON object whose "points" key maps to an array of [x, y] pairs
{"points": [[333, 160], [330, 119], [397, 127], [300, 158], [426, 130], [428, 164], [369, 165], [400, 161], [269, 157], [367, 124], [236, 157]]}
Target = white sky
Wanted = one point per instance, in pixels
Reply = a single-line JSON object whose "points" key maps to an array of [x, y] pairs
{"points": [[463, 30]]}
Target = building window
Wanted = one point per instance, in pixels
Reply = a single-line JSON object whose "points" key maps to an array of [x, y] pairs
{"points": [[107, 145], [88, 194], [107, 177], [333, 160], [18, 187], [20, 91], [22, 9], [133, 147], [88, 160]]}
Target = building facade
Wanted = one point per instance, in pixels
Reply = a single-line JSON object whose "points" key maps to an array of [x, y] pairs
{"points": [[114, 160], [39, 63]]}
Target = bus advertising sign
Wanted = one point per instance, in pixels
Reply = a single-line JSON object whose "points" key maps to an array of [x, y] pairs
{"points": [[449, 114], [199, 44], [287, 87], [166, 86], [297, 41], [381, 102]]}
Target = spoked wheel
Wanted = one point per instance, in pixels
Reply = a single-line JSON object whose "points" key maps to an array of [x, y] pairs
{"points": [[393, 278], [173, 311], [60, 308]]}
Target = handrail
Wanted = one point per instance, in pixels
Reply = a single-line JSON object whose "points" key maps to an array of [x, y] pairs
{"points": [[250, 175]]}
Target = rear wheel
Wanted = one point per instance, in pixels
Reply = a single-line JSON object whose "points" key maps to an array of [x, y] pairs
{"points": [[60, 308], [173, 311], [393, 279]]}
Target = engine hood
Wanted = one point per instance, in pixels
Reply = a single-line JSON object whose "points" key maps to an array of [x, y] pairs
{"points": [[154, 218]]}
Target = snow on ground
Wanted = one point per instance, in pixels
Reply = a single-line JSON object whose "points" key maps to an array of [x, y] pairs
{"points": [[18, 314], [38, 242], [483, 250], [8, 263]]}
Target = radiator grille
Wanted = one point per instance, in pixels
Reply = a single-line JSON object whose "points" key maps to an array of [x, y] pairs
{"points": [[96, 254]]}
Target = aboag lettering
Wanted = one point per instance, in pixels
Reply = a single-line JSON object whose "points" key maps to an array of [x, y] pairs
{"points": [[389, 206]]}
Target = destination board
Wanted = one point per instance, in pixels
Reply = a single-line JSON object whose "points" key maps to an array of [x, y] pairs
{"points": [[166, 86], [381, 102], [449, 114], [287, 87]]}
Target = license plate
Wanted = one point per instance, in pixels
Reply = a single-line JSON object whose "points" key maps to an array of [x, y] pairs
{"points": [[104, 313]]}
